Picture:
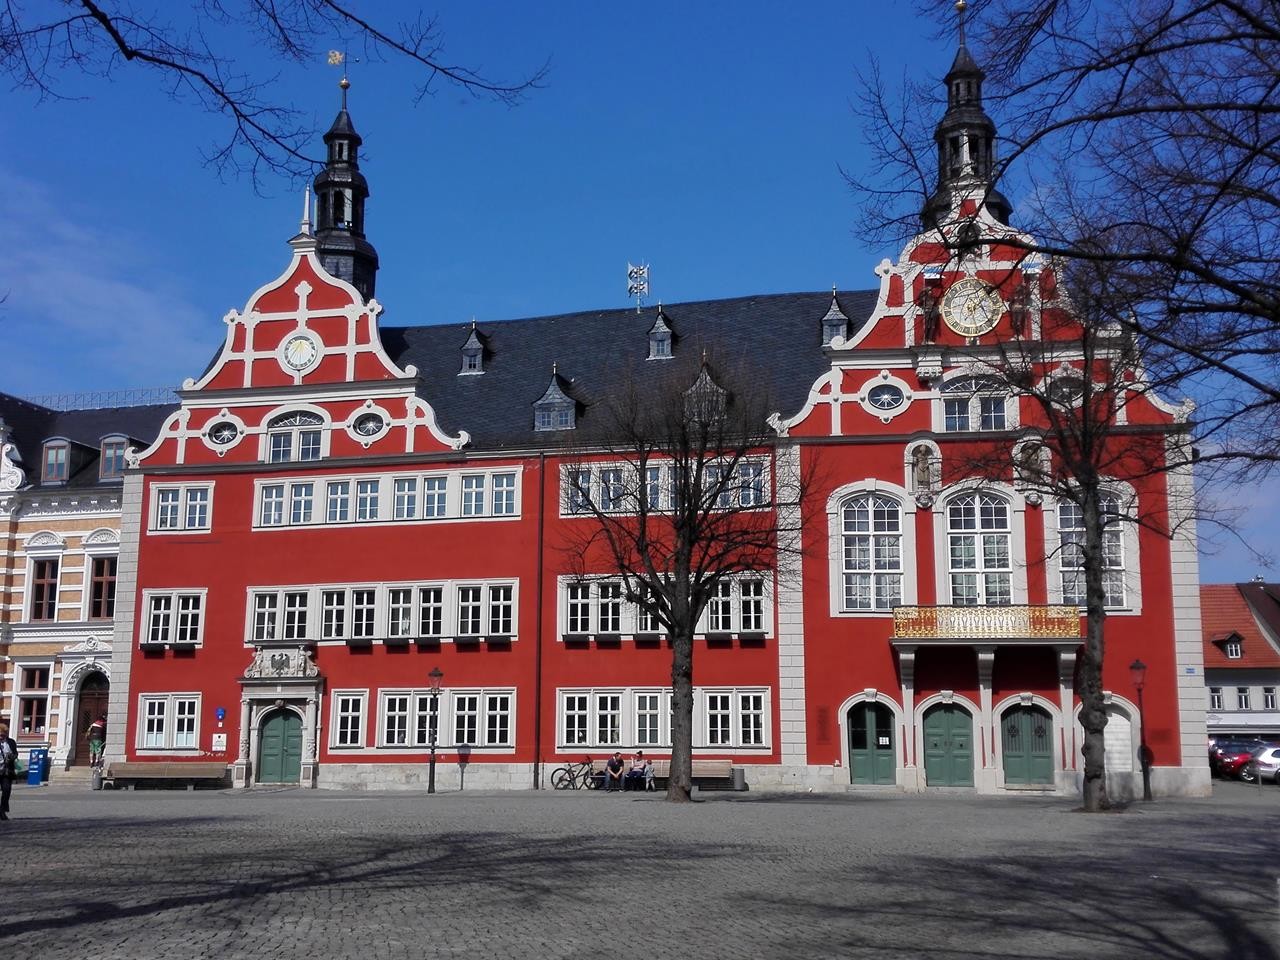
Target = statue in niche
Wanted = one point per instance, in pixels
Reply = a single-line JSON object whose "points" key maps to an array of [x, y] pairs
{"points": [[922, 469], [932, 314], [1019, 307]]}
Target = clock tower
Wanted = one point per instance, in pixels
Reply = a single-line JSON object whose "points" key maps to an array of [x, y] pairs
{"points": [[341, 192]]}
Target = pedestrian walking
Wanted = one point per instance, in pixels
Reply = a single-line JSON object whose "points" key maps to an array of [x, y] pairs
{"points": [[8, 768]]}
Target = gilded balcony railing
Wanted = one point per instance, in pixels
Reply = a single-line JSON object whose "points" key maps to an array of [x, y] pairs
{"points": [[983, 623]]}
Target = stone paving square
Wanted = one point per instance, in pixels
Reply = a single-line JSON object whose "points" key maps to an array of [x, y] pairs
{"points": [[293, 873]]}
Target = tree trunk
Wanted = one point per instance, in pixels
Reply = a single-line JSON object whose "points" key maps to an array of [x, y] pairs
{"points": [[680, 779], [1093, 710]]}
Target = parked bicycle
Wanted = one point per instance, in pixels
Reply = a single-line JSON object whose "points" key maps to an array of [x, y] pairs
{"points": [[575, 776]]}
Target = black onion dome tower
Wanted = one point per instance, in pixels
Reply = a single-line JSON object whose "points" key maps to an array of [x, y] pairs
{"points": [[341, 191], [966, 142]]}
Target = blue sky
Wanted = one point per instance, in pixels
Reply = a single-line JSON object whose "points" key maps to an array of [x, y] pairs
{"points": [[705, 139]]}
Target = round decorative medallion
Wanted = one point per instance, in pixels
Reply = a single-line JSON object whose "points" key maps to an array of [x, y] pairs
{"points": [[368, 425], [886, 397], [300, 351], [971, 307], [223, 432]]}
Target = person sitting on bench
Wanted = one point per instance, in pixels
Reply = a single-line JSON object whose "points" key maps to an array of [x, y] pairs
{"points": [[636, 775], [613, 772]]}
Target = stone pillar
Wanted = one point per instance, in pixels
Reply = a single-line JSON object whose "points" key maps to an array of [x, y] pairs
{"points": [[1067, 779], [124, 643], [909, 774], [986, 779], [240, 769], [792, 724], [310, 744]]}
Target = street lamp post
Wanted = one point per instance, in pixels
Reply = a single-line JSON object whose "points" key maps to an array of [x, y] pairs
{"points": [[436, 676], [1138, 674]]}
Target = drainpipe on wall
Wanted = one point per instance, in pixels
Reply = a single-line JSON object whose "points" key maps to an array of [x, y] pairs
{"points": [[537, 632]]}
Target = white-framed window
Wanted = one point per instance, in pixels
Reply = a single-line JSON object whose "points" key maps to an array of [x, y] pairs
{"points": [[400, 612], [470, 610], [979, 559], [597, 606], [364, 613], [348, 718], [372, 498], [169, 721], [1233, 649], [1071, 552], [475, 718], [751, 605], [173, 617], [34, 689], [1268, 698], [975, 403], [1242, 698], [431, 611], [54, 467], [871, 552], [297, 436], [725, 718], [501, 610], [1215, 698], [609, 607], [618, 488], [466, 718], [179, 508], [720, 608], [333, 614], [395, 720], [111, 462], [579, 607]]}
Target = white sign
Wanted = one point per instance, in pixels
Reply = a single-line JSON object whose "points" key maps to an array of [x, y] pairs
{"points": [[219, 743]]}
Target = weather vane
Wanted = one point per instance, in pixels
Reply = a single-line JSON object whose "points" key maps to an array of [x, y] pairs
{"points": [[638, 283], [339, 58]]}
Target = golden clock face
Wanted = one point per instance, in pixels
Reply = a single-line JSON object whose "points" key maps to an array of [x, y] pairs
{"points": [[971, 307]]}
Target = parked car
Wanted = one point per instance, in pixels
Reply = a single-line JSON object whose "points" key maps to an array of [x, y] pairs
{"points": [[1231, 758], [1266, 764]]}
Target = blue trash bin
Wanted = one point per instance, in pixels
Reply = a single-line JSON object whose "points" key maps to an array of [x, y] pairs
{"points": [[37, 767]]}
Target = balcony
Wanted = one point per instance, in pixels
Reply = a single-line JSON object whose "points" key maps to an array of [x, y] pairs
{"points": [[1017, 624]]}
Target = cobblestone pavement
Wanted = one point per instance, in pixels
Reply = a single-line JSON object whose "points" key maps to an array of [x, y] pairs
{"points": [[292, 873]]}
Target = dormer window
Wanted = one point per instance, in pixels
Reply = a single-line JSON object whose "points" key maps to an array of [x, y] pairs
{"points": [[660, 338], [295, 436], [1234, 649], [111, 459], [555, 409], [472, 353], [471, 361], [835, 323], [55, 462]]}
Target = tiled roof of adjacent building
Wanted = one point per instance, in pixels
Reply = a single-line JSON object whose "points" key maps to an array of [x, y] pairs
{"points": [[1227, 610], [32, 424], [777, 336]]}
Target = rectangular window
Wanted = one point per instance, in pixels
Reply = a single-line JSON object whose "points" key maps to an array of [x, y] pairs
{"points": [[426, 720], [170, 723], [647, 620], [111, 463], [364, 613], [366, 500], [719, 720], [720, 608], [1268, 698], [301, 501], [991, 409], [579, 597], [431, 611], [575, 720], [333, 614], [1071, 554], [497, 719], [501, 610], [184, 723], [434, 494], [612, 491], [1242, 698], [266, 616], [153, 733], [752, 600], [473, 496], [469, 611], [295, 615], [44, 589], [102, 588], [281, 448], [653, 488], [578, 496], [339, 498], [272, 510], [309, 445], [197, 508], [400, 612], [159, 617], [504, 494], [1215, 698], [955, 414], [395, 721], [167, 516], [609, 719], [190, 608], [349, 720], [750, 484], [55, 463], [647, 718], [751, 719], [466, 719], [609, 607], [406, 498], [33, 701]]}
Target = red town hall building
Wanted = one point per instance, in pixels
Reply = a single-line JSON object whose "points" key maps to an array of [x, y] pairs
{"points": [[337, 509]]}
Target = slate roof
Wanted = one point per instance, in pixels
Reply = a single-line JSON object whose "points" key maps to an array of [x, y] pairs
{"points": [[32, 424], [777, 337], [1229, 608]]}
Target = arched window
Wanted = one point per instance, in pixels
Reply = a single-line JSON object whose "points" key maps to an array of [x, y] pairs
{"points": [[974, 403], [1071, 556], [294, 436], [979, 559], [871, 533]]}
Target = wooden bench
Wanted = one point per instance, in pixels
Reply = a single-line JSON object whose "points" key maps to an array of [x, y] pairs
{"points": [[717, 773], [122, 775]]}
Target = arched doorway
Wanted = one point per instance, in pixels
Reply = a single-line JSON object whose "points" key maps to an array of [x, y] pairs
{"points": [[1117, 741], [872, 758], [91, 703], [948, 746], [280, 747], [1026, 738]]}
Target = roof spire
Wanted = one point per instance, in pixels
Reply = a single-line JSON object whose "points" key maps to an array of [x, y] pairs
{"points": [[305, 227], [961, 7]]}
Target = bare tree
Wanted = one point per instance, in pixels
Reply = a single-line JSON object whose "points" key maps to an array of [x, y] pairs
{"points": [[211, 53], [681, 488]]}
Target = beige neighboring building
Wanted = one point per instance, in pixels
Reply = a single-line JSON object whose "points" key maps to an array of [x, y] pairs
{"points": [[61, 474]]}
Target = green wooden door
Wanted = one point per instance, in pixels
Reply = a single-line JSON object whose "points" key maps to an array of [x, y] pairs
{"points": [[280, 748], [948, 746], [1026, 734], [872, 758]]}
